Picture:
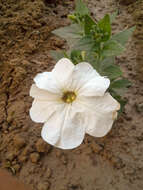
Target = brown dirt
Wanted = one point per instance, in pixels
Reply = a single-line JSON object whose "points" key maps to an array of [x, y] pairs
{"points": [[114, 162]]}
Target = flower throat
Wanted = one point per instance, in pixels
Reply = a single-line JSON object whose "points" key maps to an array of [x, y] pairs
{"points": [[69, 97]]}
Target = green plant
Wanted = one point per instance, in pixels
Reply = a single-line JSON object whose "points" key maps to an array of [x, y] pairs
{"points": [[91, 40]]}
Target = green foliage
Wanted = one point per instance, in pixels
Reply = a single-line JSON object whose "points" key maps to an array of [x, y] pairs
{"points": [[112, 48], [57, 54], [119, 99], [70, 33], [113, 16], [121, 83], [88, 24], [85, 44], [92, 41], [77, 56], [123, 36], [105, 27], [119, 86], [112, 71], [81, 8]]}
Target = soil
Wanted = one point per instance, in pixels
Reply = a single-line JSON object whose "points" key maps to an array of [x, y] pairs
{"points": [[114, 162]]}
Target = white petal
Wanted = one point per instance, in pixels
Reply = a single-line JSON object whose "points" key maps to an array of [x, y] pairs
{"points": [[45, 95], [42, 110], [87, 82], [62, 71], [95, 87], [104, 113], [65, 129], [86, 67], [46, 81], [82, 73]]}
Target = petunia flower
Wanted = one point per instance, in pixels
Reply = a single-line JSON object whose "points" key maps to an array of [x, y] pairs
{"points": [[71, 100]]}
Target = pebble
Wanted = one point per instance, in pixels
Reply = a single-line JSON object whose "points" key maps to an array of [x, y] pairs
{"points": [[10, 156], [48, 173], [22, 158], [5, 126], [16, 167], [19, 141], [34, 157], [139, 107], [43, 186], [96, 148], [64, 159], [14, 162], [41, 146], [126, 2]]}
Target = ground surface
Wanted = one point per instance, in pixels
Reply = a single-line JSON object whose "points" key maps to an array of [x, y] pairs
{"points": [[114, 162]]}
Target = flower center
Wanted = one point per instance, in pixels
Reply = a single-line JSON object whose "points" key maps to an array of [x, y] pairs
{"points": [[69, 97]]}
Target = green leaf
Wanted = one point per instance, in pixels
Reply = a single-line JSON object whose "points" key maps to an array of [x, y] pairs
{"points": [[91, 58], [119, 99], [66, 32], [81, 8], [112, 48], [111, 71], [105, 25], [76, 56], [121, 83], [108, 61], [113, 16], [123, 36], [89, 23], [70, 33], [84, 44], [57, 54]]}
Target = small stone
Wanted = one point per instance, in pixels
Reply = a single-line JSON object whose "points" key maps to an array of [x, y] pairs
{"points": [[96, 148], [34, 157], [19, 141], [10, 156], [59, 153], [128, 118], [48, 173], [126, 2], [16, 167], [25, 63], [14, 162], [5, 126], [139, 107], [41, 146], [43, 186], [28, 149], [22, 158], [63, 159]]}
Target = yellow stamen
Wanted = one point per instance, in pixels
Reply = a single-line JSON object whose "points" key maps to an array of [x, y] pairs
{"points": [[68, 97]]}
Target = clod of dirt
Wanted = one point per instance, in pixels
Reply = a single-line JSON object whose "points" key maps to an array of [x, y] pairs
{"points": [[64, 159], [34, 157], [138, 17], [19, 141], [96, 148], [16, 167], [74, 186], [44, 186], [50, 1], [48, 173], [22, 158], [24, 155], [10, 156], [127, 2], [41, 146], [139, 107]]}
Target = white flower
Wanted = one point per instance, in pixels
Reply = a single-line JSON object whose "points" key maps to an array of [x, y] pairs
{"points": [[71, 101]]}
